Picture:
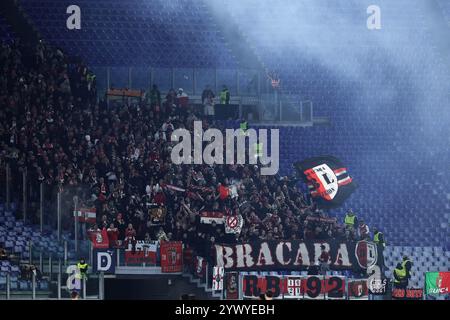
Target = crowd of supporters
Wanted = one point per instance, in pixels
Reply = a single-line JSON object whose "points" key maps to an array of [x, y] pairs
{"points": [[117, 159]]}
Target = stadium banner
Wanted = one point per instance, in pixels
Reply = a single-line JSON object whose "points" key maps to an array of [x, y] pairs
{"points": [[171, 256], [327, 179], [407, 294], [217, 281], [437, 283], [357, 289], [296, 255], [141, 252], [314, 288], [253, 286], [232, 285], [295, 287], [378, 287], [104, 261], [335, 287]]}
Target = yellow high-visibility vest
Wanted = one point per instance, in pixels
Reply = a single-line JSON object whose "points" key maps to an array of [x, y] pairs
{"points": [[82, 266], [376, 238], [349, 220], [404, 264], [401, 273]]}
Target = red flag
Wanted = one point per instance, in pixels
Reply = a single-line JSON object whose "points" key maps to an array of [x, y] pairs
{"points": [[171, 256], [100, 239]]}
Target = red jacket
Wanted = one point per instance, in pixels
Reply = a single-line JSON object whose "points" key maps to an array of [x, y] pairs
{"points": [[224, 192]]}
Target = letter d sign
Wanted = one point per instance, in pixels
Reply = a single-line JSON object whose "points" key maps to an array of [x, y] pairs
{"points": [[104, 261]]}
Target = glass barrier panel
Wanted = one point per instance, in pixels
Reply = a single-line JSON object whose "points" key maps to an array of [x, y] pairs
{"points": [[184, 78], [204, 78], [118, 77], [248, 82], [101, 80], [162, 77], [290, 108], [269, 108], [227, 77], [141, 78]]}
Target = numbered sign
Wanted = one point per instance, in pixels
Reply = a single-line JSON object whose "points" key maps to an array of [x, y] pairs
{"points": [[335, 287], [294, 288], [314, 287]]}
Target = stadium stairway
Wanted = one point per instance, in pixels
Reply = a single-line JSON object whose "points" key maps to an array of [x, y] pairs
{"points": [[204, 286]]}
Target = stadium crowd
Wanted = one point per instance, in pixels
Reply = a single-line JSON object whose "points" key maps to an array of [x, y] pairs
{"points": [[117, 158]]}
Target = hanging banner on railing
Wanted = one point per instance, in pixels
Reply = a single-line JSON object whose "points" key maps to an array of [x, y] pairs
{"points": [[314, 287], [104, 261], [294, 287], [358, 290], [254, 286], [296, 255], [99, 239], [171, 256], [407, 294], [335, 288], [141, 252], [232, 285], [217, 283]]}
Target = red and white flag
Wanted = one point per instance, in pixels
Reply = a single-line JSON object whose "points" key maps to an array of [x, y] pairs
{"points": [[141, 252], [88, 215], [218, 273], [209, 217], [100, 239]]}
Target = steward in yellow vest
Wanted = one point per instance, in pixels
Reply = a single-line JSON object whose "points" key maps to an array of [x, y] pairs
{"points": [[400, 279], [350, 219], [83, 268], [378, 237]]}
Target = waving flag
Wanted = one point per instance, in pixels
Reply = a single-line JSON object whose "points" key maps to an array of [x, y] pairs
{"points": [[209, 217], [327, 179], [437, 282]]}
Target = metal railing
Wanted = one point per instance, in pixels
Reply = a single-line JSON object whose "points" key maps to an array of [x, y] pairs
{"points": [[240, 82], [51, 280]]}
